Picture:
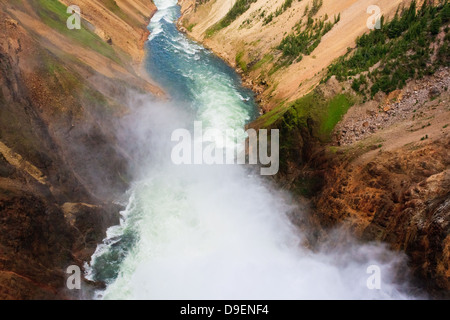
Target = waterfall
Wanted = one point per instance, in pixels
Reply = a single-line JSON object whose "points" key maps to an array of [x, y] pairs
{"points": [[214, 232]]}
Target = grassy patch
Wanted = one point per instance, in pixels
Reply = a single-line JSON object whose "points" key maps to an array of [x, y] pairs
{"points": [[278, 65], [313, 113], [336, 108], [286, 5], [266, 59], [58, 74], [240, 61], [271, 117], [54, 14], [190, 27], [239, 8]]}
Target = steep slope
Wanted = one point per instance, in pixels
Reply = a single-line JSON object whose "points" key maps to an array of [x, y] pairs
{"points": [[61, 165], [387, 178], [255, 42]]}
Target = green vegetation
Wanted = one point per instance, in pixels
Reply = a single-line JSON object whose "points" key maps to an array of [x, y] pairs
{"points": [[286, 5], [190, 27], [317, 4], [278, 65], [305, 38], [54, 14], [306, 10], [239, 8], [325, 114], [266, 59], [402, 47], [268, 19], [61, 79], [311, 115], [337, 107], [112, 6], [66, 81], [271, 117], [307, 186], [240, 62]]}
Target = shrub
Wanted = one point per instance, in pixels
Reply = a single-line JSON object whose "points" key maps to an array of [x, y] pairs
{"points": [[239, 8], [304, 39], [401, 47]]}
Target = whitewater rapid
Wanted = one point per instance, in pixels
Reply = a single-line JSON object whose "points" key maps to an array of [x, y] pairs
{"points": [[213, 232]]}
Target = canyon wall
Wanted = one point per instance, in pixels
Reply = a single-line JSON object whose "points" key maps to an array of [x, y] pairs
{"points": [[255, 40], [61, 165]]}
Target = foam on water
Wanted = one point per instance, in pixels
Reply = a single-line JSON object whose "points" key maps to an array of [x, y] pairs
{"points": [[216, 232]]}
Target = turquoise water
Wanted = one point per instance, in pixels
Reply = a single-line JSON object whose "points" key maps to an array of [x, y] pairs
{"points": [[193, 75], [214, 232]]}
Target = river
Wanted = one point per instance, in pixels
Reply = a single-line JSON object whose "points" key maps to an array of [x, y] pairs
{"points": [[216, 232]]}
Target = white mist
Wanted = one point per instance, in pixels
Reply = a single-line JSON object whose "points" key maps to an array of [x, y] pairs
{"points": [[216, 232]]}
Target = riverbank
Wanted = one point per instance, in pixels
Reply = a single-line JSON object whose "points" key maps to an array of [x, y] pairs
{"points": [[255, 42], [187, 7]]}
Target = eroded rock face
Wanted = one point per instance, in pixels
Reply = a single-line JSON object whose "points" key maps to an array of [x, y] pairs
{"points": [[402, 198], [88, 223], [34, 239], [391, 185], [61, 165]]}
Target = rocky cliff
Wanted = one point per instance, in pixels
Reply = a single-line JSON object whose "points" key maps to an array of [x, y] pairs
{"points": [[61, 165]]}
